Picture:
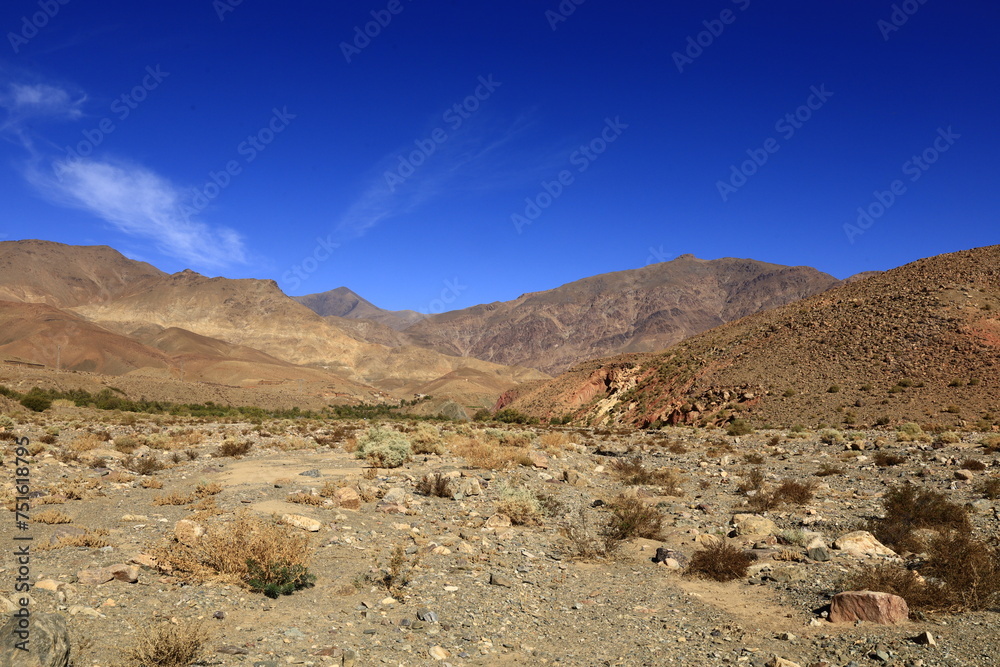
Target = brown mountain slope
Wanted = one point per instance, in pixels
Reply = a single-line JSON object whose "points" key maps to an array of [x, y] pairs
{"points": [[342, 302], [920, 343], [39, 334], [65, 276], [258, 315], [627, 311]]}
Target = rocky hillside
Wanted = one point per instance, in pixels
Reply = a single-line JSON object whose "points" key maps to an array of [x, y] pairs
{"points": [[920, 343], [342, 302], [628, 311]]}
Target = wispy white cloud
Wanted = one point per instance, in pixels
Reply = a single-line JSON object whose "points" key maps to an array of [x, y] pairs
{"points": [[140, 203], [471, 159], [131, 198]]}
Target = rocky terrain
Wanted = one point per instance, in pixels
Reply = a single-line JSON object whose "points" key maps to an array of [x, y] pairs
{"points": [[488, 524], [342, 302], [917, 343]]}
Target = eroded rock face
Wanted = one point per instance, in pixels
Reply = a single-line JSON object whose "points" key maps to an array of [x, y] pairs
{"points": [[48, 643], [870, 606]]}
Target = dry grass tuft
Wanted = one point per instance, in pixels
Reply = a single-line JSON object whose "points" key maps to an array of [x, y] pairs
{"points": [[480, 454], [233, 448], [305, 499], [151, 483], [908, 508], [51, 517], [167, 645], [174, 498], [630, 517]]}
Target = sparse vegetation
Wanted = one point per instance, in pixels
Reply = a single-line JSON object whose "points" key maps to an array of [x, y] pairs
{"points": [[167, 644], [520, 504], [630, 517], [632, 471], [720, 561], [907, 508], [384, 447], [739, 427], [232, 448]]}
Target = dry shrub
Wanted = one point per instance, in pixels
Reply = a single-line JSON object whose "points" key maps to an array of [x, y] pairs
{"points": [[92, 539], [968, 568], [151, 483], [754, 458], [294, 443], [676, 448], [719, 561], [795, 493], [51, 517], [990, 488], [752, 481], [630, 517], [174, 498], [973, 464], [586, 540], [305, 499], [991, 443], [520, 504], [508, 438], [67, 456], [426, 439], [204, 489], [762, 501], [480, 454], [167, 645], [553, 441], [434, 484], [885, 459], [47, 439], [396, 572], [633, 472], [142, 465], [908, 508], [86, 442], [232, 448], [127, 444], [829, 469], [259, 554]]}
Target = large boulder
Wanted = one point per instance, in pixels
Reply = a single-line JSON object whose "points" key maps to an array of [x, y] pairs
{"points": [[861, 543], [48, 641], [753, 524], [871, 606]]}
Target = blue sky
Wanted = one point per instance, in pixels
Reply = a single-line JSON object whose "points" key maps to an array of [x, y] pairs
{"points": [[462, 153]]}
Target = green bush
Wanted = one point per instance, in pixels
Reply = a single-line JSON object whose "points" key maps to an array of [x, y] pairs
{"points": [[36, 402], [739, 427], [274, 579], [384, 447]]}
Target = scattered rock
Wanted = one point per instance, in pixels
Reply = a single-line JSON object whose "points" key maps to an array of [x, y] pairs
{"points": [[48, 642], [871, 606], [348, 498], [925, 638], [303, 522], [861, 543], [753, 524]]}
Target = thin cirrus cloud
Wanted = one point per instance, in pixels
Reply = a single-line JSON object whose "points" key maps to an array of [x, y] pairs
{"points": [[472, 159], [133, 199]]}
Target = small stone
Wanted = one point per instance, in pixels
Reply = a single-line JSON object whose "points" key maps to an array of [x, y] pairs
{"points": [[427, 615], [220, 615], [350, 658], [752, 524], [438, 653], [94, 576], [303, 522], [228, 649], [348, 498], [965, 475], [781, 662], [820, 554], [925, 638], [498, 521], [48, 584], [123, 572], [311, 473]]}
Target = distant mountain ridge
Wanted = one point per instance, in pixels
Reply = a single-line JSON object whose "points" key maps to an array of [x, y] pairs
{"points": [[342, 302], [636, 310]]}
